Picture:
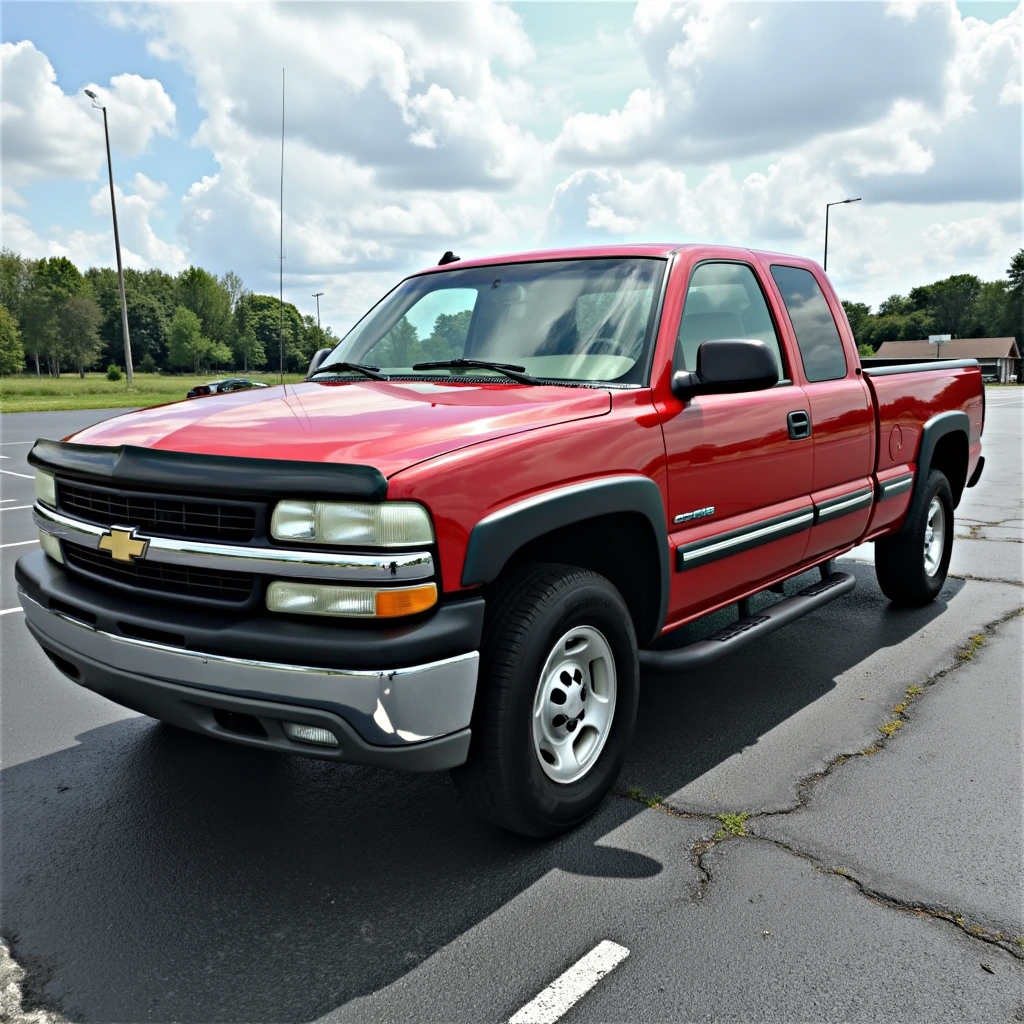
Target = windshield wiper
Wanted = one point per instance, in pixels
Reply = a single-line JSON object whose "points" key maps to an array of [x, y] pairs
{"points": [[366, 371], [510, 370]]}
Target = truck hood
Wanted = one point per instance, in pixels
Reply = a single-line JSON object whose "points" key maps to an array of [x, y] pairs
{"points": [[385, 424]]}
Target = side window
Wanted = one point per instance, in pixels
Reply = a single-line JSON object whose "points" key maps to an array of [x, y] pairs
{"points": [[435, 327], [817, 336], [724, 300]]}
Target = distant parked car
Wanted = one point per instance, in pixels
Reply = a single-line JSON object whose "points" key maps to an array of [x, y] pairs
{"points": [[221, 387], [990, 378]]}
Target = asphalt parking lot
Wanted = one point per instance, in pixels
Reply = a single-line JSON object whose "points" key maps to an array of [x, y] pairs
{"points": [[866, 763]]}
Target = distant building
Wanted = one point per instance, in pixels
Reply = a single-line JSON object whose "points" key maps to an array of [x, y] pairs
{"points": [[997, 357]]}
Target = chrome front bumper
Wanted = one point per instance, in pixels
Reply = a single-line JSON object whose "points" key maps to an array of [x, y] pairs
{"points": [[416, 717]]}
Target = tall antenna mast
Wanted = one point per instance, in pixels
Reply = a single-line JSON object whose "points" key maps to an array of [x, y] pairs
{"points": [[280, 258]]}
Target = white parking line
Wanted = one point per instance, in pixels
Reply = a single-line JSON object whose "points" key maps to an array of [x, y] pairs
{"points": [[10, 472], [18, 544], [10, 611], [14, 508], [569, 988], [16, 442]]}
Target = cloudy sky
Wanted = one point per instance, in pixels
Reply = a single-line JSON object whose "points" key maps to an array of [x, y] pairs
{"points": [[482, 127]]}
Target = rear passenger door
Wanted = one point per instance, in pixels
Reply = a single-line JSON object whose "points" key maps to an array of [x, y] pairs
{"points": [[842, 415], [738, 482]]}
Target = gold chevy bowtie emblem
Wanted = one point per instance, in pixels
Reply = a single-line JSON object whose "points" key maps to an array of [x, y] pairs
{"points": [[123, 545]]}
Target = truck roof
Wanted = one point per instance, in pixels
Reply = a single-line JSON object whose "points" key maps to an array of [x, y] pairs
{"points": [[650, 249]]}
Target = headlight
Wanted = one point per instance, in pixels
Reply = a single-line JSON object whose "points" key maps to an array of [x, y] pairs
{"points": [[46, 489], [385, 525], [349, 602]]}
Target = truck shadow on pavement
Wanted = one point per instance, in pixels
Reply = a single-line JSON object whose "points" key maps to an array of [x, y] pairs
{"points": [[152, 874]]}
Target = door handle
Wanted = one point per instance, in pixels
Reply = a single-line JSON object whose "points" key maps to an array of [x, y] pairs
{"points": [[799, 425]]}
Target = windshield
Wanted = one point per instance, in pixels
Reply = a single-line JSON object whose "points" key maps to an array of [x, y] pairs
{"points": [[568, 320]]}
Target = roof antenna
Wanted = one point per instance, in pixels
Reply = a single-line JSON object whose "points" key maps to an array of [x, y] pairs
{"points": [[448, 257]]}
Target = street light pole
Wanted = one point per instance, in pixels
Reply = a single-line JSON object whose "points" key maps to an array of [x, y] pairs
{"points": [[129, 370], [316, 295], [840, 202]]}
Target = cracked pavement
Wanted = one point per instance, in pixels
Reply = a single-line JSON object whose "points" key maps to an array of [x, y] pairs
{"points": [[153, 875]]}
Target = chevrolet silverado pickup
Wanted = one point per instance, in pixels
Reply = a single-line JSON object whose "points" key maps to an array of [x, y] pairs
{"points": [[461, 540]]}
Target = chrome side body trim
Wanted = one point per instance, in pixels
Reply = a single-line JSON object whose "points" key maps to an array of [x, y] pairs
{"points": [[843, 505], [734, 541], [392, 707], [284, 562], [890, 488]]}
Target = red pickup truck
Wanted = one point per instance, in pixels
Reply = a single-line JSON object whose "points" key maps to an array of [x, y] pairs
{"points": [[461, 540]]}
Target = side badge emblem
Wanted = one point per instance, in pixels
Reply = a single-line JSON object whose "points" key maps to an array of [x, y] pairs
{"points": [[698, 513]]}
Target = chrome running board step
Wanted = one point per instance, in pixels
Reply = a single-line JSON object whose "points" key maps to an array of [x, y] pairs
{"points": [[748, 629]]}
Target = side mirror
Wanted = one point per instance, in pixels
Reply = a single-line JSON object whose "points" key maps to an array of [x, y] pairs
{"points": [[319, 356], [728, 366]]}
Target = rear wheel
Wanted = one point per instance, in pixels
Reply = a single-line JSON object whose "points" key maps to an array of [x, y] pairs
{"points": [[911, 567], [556, 701]]}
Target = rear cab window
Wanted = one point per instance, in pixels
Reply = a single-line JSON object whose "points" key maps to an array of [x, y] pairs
{"points": [[817, 336]]}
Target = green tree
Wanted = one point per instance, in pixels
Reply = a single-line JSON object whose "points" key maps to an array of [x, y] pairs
{"points": [[448, 338], [78, 320], [857, 313], [201, 292], [263, 314], [249, 349], [895, 305], [1015, 296], [102, 285], [60, 274], [952, 302], [316, 337], [991, 317], [232, 284], [15, 278], [399, 347], [12, 353], [39, 324], [186, 345]]}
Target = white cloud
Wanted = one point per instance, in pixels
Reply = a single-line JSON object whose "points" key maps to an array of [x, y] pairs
{"points": [[141, 247], [420, 93], [135, 210], [49, 134], [740, 78]]}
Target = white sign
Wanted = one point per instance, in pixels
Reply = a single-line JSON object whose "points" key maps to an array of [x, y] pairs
{"points": [[938, 339]]}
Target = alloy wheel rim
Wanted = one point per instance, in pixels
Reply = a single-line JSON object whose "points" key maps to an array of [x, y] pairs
{"points": [[574, 704], [934, 536]]}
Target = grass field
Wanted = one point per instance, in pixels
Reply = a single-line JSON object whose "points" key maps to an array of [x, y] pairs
{"points": [[42, 394]]}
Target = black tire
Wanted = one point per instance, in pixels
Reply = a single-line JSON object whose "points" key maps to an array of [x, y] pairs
{"points": [[900, 559], [503, 778]]}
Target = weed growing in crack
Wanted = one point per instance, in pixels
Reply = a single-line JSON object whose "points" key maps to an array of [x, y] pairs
{"points": [[637, 794], [889, 728], [898, 709], [914, 691], [969, 649], [732, 825]]}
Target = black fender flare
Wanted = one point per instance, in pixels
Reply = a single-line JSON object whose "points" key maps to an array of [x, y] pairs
{"points": [[934, 430], [497, 537]]}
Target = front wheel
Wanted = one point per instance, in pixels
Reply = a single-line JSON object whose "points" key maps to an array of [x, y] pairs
{"points": [[556, 700], [911, 566]]}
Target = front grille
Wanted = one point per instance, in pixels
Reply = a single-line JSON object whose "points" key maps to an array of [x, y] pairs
{"points": [[159, 577], [160, 515]]}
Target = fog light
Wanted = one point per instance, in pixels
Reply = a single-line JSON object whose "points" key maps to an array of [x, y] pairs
{"points": [[310, 734], [51, 546]]}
